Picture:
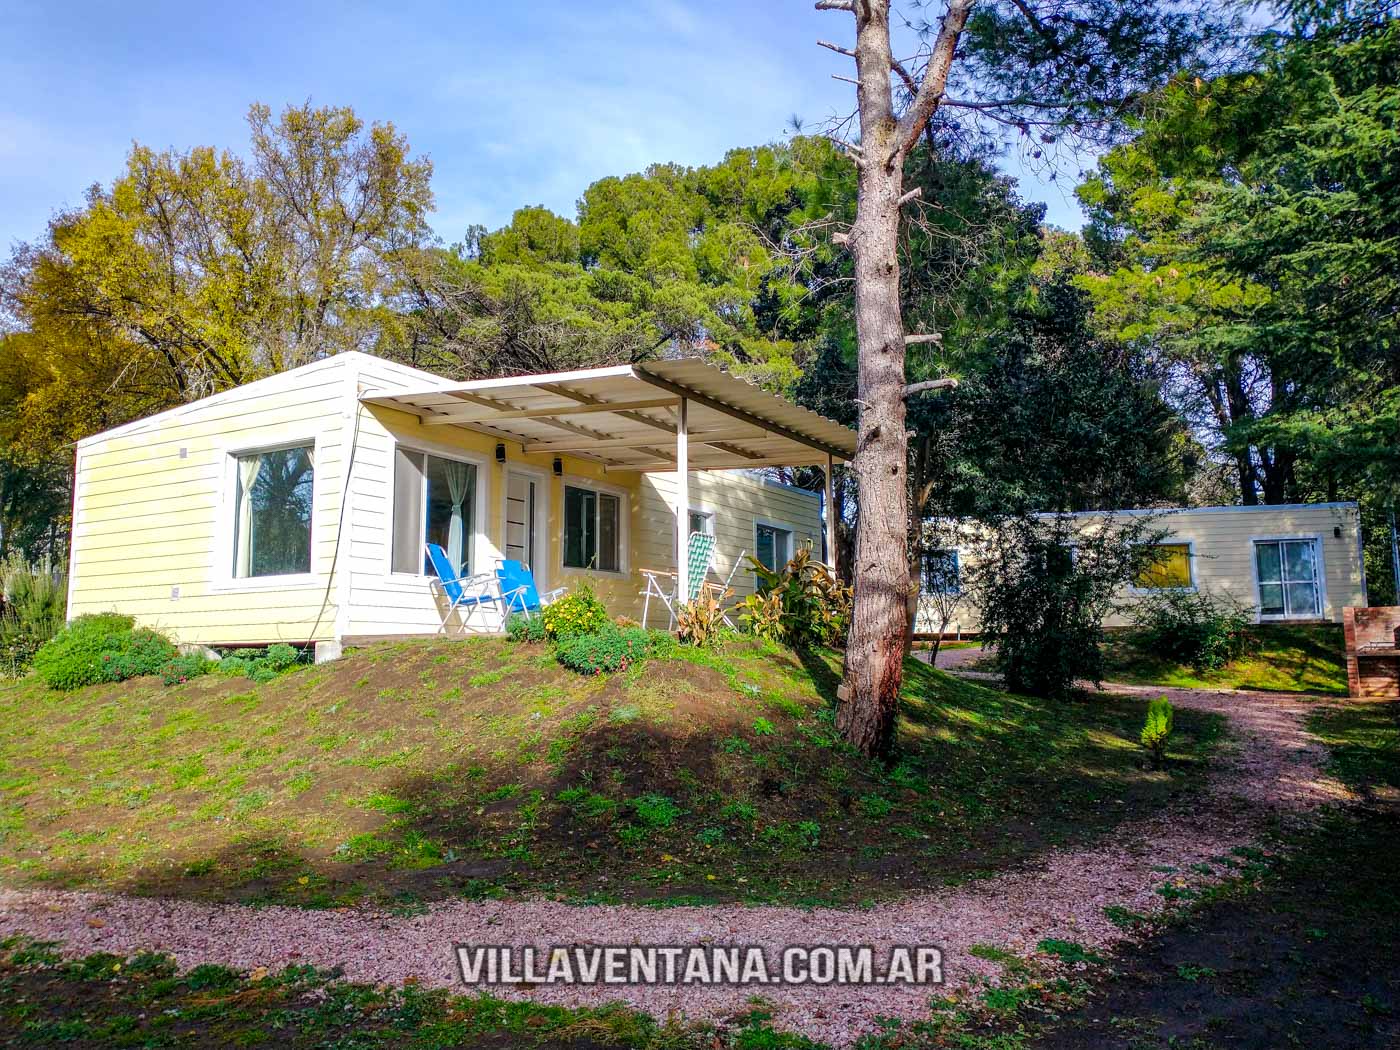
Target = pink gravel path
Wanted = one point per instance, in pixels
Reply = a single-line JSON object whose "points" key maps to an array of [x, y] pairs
{"points": [[1271, 766]]}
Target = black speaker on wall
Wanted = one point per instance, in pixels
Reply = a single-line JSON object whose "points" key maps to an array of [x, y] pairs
{"points": [[500, 451], [558, 467]]}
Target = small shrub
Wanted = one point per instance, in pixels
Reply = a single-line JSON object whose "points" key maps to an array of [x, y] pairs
{"points": [[281, 658], [32, 603], [763, 727], [520, 628], [258, 665], [1192, 628], [655, 811], [101, 648], [1044, 586], [700, 622], [762, 615], [233, 667], [804, 604], [184, 667], [1157, 730], [609, 649], [576, 613]]}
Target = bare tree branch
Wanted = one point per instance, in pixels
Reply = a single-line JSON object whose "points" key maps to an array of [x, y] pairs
{"points": [[929, 384], [914, 194], [837, 48], [926, 100], [923, 337], [836, 5]]}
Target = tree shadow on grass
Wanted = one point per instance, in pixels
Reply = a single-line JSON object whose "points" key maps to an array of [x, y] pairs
{"points": [[674, 782]]}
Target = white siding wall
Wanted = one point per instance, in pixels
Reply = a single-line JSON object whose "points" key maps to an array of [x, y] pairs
{"points": [[1222, 540], [154, 505], [738, 502], [148, 519]]}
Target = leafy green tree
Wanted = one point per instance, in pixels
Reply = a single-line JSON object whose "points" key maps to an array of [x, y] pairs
{"points": [[1252, 239], [201, 270], [671, 260]]}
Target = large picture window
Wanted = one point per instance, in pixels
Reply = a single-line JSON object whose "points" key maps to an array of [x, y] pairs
{"points": [[434, 502], [272, 527], [592, 529], [1169, 569], [1288, 578]]}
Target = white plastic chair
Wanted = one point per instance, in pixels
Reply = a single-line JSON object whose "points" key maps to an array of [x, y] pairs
{"points": [[700, 552]]}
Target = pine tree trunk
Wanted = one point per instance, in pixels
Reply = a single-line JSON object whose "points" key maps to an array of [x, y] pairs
{"points": [[875, 645]]}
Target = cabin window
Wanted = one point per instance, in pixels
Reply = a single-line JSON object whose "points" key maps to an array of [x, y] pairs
{"points": [[1169, 569], [592, 529], [272, 527], [1289, 584], [773, 548], [941, 572], [434, 502], [703, 522]]}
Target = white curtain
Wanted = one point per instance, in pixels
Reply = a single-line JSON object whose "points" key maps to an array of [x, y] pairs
{"points": [[248, 468], [458, 489]]}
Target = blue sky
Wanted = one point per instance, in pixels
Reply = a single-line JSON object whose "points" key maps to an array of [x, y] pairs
{"points": [[516, 103]]}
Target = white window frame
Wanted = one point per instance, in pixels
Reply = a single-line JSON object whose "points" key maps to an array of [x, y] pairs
{"points": [[1319, 554], [624, 515], [221, 572], [481, 552], [792, 544], [1195, 584], [542, 571], [708, 519]]}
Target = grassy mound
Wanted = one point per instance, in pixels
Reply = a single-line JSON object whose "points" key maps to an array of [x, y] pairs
{"points": [[1284, 658], [421, 769]]}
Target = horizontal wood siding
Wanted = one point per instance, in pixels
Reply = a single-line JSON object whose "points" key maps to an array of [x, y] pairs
{"points": [[149, 519], [1222, 539], [738, 501]]}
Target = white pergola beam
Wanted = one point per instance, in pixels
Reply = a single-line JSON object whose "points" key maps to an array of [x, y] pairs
{"points": [[682, 505], [733, 463], [638, 441], [444, 418], [830, 509]]}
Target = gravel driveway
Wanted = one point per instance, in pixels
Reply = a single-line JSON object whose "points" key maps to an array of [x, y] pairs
{"points": [[1269, 766]]}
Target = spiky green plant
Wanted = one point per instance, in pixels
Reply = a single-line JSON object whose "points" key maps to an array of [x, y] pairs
{"points": [[1157, 730]]}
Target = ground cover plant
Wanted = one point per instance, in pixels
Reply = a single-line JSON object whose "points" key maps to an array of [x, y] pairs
{"points": [[421, 769], [105, 1001], [1284, 658]]}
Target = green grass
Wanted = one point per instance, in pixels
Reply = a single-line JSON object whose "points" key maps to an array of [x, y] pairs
{"points": [[109, 1001], [1293, 659], [425, 769], [1364, 740]]}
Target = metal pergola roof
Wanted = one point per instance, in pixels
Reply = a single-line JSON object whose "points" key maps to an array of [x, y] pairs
{"points": [[626, 417]]}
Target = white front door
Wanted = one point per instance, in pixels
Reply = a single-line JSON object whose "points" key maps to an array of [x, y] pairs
{"points": [[524, 519]]}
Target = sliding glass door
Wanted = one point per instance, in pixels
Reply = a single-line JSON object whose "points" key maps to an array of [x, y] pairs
{"points": [[1289, 578]]}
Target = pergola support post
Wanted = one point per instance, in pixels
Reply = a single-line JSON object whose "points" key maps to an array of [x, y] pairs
{"points": [[830, 513], [682, 503]]}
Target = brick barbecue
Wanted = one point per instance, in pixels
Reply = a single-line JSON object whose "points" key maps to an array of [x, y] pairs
{"points": [[1373, 650]]}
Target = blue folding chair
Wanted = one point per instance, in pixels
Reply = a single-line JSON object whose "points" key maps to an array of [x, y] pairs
{"points": [[463, 594], [518, 590]]}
